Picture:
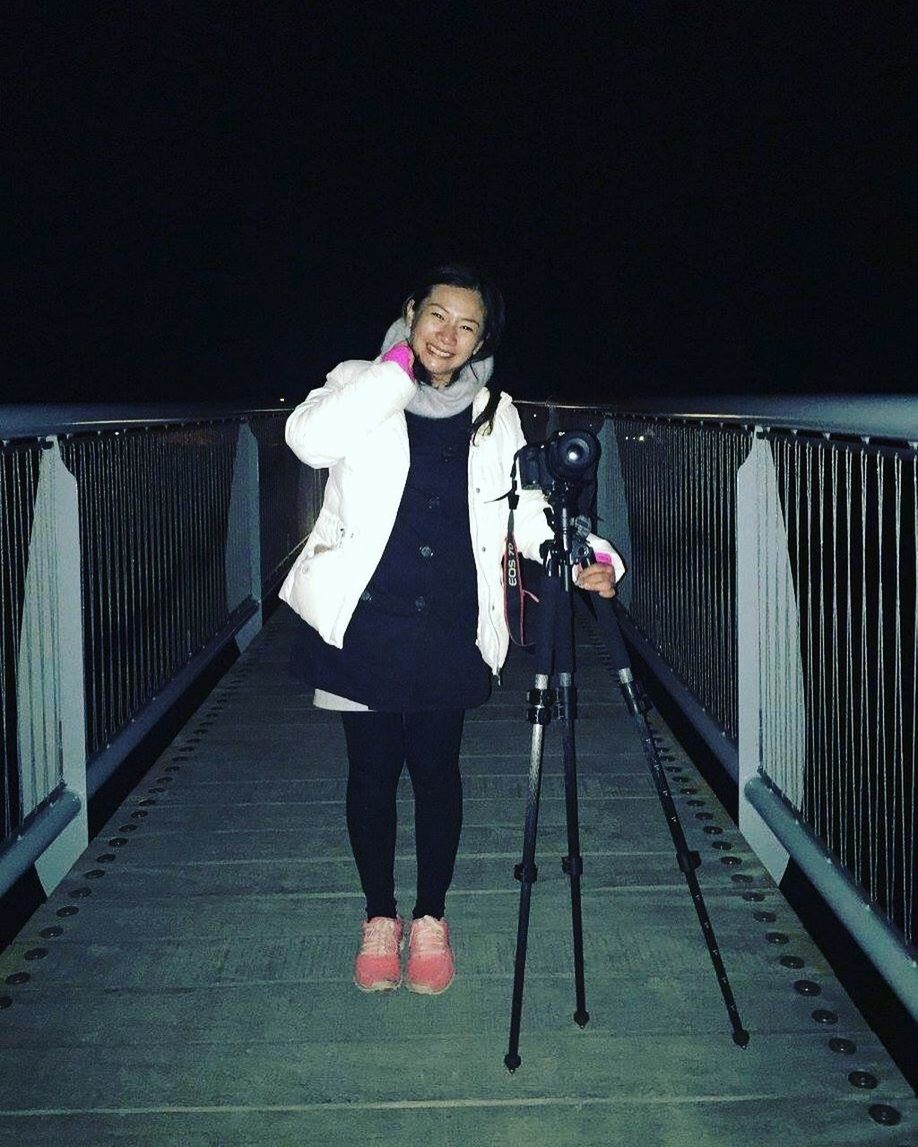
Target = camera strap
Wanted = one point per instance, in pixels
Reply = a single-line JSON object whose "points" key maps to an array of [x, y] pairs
{"points": [[515, 593]]}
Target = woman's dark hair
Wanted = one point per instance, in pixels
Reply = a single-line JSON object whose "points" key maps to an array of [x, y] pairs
{"points": [[464, 275]]}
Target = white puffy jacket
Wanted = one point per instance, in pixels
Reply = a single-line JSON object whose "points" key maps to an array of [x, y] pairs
{"points": [[355, 425]]}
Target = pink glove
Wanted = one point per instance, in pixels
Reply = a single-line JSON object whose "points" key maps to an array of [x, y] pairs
{"points": [[403, 355]]}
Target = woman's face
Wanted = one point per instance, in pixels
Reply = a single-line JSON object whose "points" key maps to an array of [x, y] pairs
{"points": [[446, 330]]}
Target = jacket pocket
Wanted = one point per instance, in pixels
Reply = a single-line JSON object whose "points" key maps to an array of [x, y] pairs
{"points": [[327, 534]]}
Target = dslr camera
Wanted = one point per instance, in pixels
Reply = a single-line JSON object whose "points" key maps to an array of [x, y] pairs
{"points": [[567, 458]]}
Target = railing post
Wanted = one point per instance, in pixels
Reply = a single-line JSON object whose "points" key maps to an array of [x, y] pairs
{"points": [[612, 504], [771, 714], [243, 540], [51, 701]]}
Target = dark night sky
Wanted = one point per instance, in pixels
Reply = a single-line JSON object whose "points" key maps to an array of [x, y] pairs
{"points": [[222, 201]]}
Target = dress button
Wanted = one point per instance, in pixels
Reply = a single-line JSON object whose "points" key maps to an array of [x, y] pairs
{"points": [[425, 552], [433, 502], [419, 603]]}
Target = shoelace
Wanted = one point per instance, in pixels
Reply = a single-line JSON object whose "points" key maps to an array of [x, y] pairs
{"points": [[378, 938], [428, 937]]}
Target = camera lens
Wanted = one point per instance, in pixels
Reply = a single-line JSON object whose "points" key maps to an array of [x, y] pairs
{"points": [[572, 454]]}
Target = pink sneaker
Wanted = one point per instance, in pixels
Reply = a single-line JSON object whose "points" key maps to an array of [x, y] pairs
{"points": [[377, 967], [431, 966]]}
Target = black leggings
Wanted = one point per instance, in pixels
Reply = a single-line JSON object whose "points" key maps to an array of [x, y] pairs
{"points": [[378, 746]]}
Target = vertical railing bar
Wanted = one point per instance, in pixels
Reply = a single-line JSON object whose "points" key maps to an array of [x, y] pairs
{"points": [[137, 444], [8, 550], [20, 552], [132, 533], [113, 594], [820, 667], [882, 785], [791, 637], [201, 566], [6, 626], [23, 518], [120, 502], [178, 550], [95, 588], [851, 831], [186, 509], [220, 516], [215, 473], [152, 498], [169, 589], [193, 508], [898, 741], [706, 611], [717, 573], [137, 549], [217, 515], [148, 603], [210, 519], [866, 787], [209, 531], [212, 495], [682, 618], [197, 519], [913, 803], [811, 787], [836, 789]]}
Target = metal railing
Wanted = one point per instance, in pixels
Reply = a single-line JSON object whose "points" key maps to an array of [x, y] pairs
{"points": [[679, 482], [133, 548], [772, 568], [850, 511]]}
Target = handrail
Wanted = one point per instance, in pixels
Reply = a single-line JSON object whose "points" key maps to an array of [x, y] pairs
{"points": [[884, 416], [887, 416], [38, 421]]}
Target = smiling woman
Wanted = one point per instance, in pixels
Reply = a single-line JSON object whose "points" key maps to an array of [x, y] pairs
{"points": [[400, 584]]}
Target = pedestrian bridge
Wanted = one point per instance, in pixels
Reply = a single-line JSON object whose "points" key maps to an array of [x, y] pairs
{"points": [[188, 978]]}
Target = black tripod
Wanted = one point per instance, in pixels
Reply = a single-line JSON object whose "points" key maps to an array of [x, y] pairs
{"points": [[554, 654]]}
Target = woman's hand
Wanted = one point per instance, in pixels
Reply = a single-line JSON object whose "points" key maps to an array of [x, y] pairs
{"points": [[597, 578], [402, 354]]}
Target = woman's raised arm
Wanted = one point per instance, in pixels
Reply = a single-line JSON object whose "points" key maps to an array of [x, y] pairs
{"points": [[333, 420]]}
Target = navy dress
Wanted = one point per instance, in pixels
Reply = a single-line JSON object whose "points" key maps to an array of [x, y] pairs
{"points": [[411, 642]]}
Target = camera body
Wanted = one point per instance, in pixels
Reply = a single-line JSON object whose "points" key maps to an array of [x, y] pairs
{"points": [[567, 457]]}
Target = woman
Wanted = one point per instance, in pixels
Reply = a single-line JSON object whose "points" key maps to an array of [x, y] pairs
{"points": [[400, 583]]}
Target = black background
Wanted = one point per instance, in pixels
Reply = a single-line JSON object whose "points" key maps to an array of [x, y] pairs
{"points": [[221, 201]]}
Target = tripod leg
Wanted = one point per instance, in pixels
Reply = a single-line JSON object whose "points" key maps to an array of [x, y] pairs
{"points": [[688, 860], [540, 701], [573, 862]]}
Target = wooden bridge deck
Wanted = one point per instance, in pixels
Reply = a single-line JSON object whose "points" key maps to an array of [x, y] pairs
{"points": [[190, 982]]}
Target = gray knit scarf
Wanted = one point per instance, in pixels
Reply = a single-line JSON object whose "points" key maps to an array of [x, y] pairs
{"points": [[431, 402]]}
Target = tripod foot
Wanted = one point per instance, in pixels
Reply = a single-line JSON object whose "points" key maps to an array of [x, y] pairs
{"points": [[581, 1019], [741, 1038], [512, 1061]]}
